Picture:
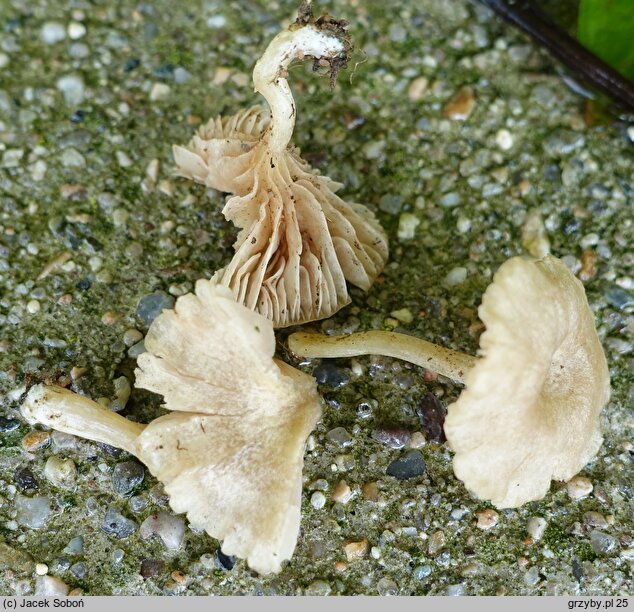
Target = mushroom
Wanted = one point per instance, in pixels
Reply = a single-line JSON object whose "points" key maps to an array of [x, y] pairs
{"points": [[299, 241], [231, 453], [530, 409]]}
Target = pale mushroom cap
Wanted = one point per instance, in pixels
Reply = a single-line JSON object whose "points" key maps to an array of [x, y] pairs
{"points": [[232, 457], [530, 410]]}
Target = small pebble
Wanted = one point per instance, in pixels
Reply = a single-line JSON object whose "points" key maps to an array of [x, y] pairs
{"points": [[404, 315], [52, 32], [225, 562], [356, 549], [151, 305], [47, 586], [456, 276], [407, 224], [487, 519], [409, 465], [25, 479], [33, 306], [76, 30], [35, 440], [370, 491], [60, 472], [603, 543], [393, 437], [41, 569], [127, 476], [317, 500], [460, 106], [330, 375], [117, 525], [417, 89], [123, 160], [79, 570], [72, 89], [159, 91], [7, 425], [579, 487], [32, 512], [342, 492], [536, 527], [386, 587], [417, 440], [504, 140], [595, 519], [169, 528], [339, 437], [75, 546], [150, 568], [436, 542], [318, 588]]}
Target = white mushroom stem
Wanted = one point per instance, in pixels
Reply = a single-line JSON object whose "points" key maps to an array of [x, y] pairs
{"points": [[66, 411], [430, 356], [269, 75]]}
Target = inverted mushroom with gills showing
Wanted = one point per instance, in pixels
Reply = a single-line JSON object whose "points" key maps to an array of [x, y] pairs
{"points": [[299, 242], [530, 409], [230, 455]]}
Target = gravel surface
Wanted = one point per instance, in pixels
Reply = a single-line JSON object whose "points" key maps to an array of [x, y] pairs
{"points": [[451, 127]]}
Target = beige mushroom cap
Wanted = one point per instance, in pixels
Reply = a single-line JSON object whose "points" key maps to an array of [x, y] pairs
{"points": [[299, 241], [233, 459], [530, 410]]}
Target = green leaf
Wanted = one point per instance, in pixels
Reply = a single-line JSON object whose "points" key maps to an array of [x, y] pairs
{"points": [[606, 27]]}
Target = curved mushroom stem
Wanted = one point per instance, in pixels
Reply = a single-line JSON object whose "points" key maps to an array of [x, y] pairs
{"points": [[430, 356], [72, 413], [269, 74]]}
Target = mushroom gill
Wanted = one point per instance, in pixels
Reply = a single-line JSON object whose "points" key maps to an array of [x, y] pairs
{"points": [[299, 241]]}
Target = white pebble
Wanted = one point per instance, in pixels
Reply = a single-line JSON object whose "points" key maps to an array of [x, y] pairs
{"points": [[318, 500], [49, 585], [123, 160], [457, 276], [38, 170], [76, 30], [504, 140], [60, 472], [12, 157], [159, 91], [95, 263], [404, 315], [4, 60], [536, 527], [169, 528], [72, 88], [52, 32], [579, 487], [630, 132], [463, 225], [33, 306], [41, 569], [407, 224]]}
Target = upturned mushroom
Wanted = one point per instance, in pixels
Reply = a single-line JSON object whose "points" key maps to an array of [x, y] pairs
{"points": [[530, 410], [299, 241], [231, 453]]}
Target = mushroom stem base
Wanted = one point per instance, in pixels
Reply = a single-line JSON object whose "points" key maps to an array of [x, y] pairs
{"points": [[425, 354], [71, 413]]}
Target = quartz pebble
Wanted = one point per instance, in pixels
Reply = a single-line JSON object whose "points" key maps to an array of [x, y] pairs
{"points": [[168, 528], [342, 492], [339, 437], [72, 89], [159, 91], [47, 586], [52, 32], [318, 588], [317, 500], [579, 487], [60, 472], [386, 587], [460, 106], [603, 543], [504, 140], [536, 527], [417, 89], [356, 549], [487, 519], [32, 512]]}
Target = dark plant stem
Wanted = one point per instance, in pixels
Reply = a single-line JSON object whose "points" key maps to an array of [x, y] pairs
{"points": [[525, 16]]}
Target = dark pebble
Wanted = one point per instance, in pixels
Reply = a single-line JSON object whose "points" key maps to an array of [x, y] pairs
{"points": [[79, 570], [577, 570], [113, 451], [410, 465], [394, 437], [150, 568], [84, 284], [8, 424], [151, 305], [25, 480], [330, 375], [131, 64], [78, 116], [117, 525], [126, 476], [618, 297], [225, 561], [432, 417], [165, 71]]}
